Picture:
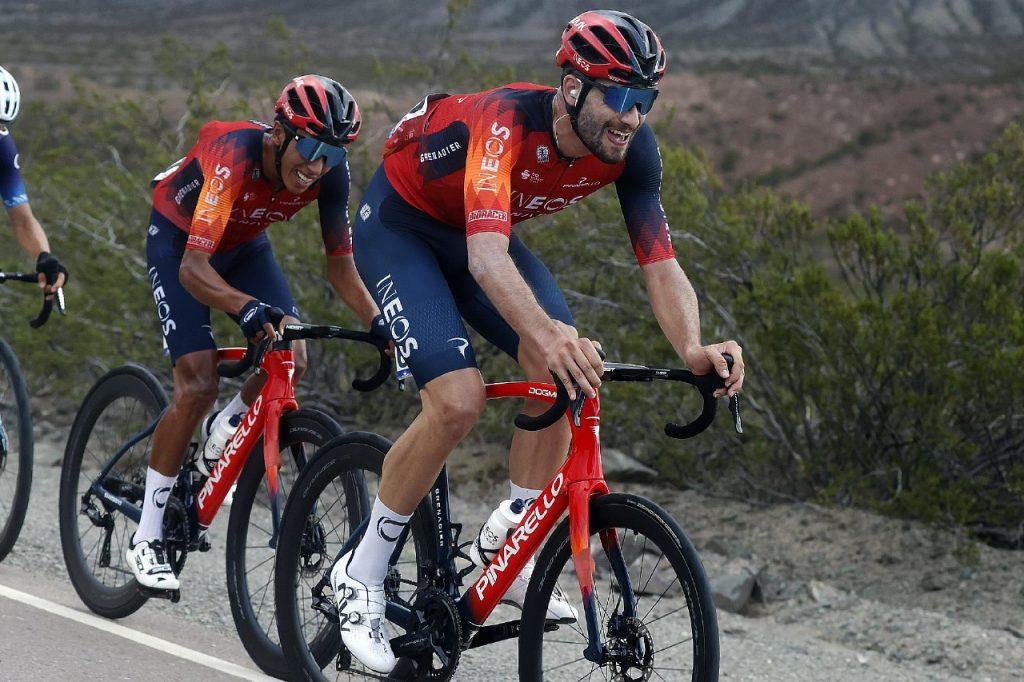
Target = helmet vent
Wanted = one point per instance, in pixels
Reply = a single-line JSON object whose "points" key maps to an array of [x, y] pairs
{"points": [[585, 50], [611, 44], [314, 102]]}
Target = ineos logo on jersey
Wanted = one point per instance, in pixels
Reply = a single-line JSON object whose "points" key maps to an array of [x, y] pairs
{"points": [[534, 204], [490, 161], [211, 197]]}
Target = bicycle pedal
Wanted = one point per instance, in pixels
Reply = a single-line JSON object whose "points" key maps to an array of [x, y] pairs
{"points": [[173, 596]]}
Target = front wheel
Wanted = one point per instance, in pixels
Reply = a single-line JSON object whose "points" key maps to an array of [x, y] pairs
{"points": [[668, 630], [251, 545]]}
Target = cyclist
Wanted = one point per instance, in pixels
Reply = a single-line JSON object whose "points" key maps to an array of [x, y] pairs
{"points": [[27, 230], [433, 243], [207, 248]]}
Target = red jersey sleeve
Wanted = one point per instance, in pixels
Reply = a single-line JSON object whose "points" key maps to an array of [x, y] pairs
{"points": [[222, 164], [494, 145]]}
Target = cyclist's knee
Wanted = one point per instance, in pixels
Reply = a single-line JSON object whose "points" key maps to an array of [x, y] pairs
{"points": [[196, 382], [456, 404]]}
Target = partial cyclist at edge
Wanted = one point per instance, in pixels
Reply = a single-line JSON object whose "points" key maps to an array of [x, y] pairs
{"points": [[27, 231], [207, 248], [434, 244]]}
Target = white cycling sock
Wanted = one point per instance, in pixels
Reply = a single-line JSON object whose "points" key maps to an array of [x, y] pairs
{"points": [[236, 406], [158, 488], [524, 495], [369, 563]]}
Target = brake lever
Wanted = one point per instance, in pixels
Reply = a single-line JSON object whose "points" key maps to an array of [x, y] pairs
{"points": [[734, 410], [61, 308]]}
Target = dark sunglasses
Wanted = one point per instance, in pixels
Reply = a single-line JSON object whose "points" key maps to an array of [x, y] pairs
{"points": [[311, 150], [621, 99]]}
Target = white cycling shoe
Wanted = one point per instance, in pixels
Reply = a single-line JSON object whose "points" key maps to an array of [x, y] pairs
{"points": [[361, 613], [149, 564], [559, 607]]}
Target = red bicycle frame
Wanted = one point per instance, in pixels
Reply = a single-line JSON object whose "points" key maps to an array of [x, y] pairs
{"points": [[578, 480], [262, 419]]}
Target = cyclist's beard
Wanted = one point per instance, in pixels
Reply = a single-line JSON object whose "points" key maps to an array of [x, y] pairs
{"points": [[592, 134]]}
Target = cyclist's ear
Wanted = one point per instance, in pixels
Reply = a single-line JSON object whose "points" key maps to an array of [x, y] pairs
{"points": [[277, 134]]}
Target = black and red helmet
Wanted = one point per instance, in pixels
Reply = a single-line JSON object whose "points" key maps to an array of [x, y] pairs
{"points": [[604, 44], [320, 107]]}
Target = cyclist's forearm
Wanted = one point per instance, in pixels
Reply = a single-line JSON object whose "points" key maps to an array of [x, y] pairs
{"points": [[344, 279], [27, 231], [674, 303], [202, 281], [498, 276]]}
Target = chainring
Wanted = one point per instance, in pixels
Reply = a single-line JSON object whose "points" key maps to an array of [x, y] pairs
{"points": [[439, 617]]}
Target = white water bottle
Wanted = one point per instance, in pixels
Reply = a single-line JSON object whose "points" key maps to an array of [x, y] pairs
{"points": [[495, 531], [221, 431]]}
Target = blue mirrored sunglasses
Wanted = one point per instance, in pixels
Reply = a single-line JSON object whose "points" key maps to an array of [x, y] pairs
{"points": [[621, 99], [311, 150]]}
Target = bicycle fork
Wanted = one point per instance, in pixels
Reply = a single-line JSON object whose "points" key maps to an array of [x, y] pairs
{"points": [[580, 496]]}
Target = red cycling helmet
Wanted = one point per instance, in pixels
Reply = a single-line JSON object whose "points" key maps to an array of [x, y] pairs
{"points": [[603, 44], [320, 107]]}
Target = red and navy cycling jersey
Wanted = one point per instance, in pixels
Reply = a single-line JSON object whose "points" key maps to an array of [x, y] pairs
{"points": [[12, 189], [488, 160], [218, 195]]}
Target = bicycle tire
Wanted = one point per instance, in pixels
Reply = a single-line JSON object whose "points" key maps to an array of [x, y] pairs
{"points": [[631, 513], [348, 458], [301, 427], [134, 385], [22, 483]]}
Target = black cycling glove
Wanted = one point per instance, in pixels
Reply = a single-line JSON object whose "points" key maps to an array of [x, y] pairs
{"points": [[50, 267], [255, 314]]}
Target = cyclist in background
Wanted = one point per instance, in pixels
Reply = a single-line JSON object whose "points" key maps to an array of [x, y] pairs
{"points": [[207, 248], [27, 230], [434, 244]]}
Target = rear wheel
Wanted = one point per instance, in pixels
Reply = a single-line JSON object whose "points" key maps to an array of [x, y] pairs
{"points": [[94, 536], [250, 554], [332, 496], [15, 449], [668, 632]]}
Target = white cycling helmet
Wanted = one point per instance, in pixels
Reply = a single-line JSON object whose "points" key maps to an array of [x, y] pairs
{"points": [[10, 96]]}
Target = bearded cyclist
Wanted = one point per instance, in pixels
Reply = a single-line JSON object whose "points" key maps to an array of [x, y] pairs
{"points": [[207, 248], [27, 230], [434, 245]]}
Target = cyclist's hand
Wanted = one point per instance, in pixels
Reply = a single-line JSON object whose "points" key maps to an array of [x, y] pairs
{"points": [[705, 359], [379, 328], [573, 359], [257, 319], [52, 275]]}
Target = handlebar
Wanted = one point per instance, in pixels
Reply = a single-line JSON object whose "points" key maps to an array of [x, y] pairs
{"points": [[706, 385], [292, 332], [44, 312]]}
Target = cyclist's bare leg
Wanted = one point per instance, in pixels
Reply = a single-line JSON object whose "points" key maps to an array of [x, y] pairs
{"points": [[195, 392], [451, 406], [536, 455]]}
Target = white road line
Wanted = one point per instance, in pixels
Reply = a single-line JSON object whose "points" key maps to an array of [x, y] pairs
{"points": [[133, 635]]}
